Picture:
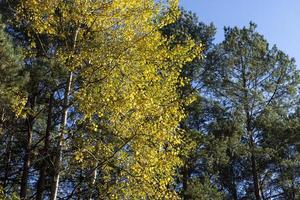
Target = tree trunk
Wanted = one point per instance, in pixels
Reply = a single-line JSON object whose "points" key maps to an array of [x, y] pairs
{"points": [[7, 161], [249, 130], [233, 187], [42, 177], [185, 178], [93, 182], [27, 156], [254, 171], [58, 157]]}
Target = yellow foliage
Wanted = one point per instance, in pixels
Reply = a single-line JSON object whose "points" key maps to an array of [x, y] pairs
{"points": [[129, 79]]}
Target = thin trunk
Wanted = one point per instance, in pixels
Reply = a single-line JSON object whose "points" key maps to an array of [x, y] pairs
{"points": [[234, 191], [249, 130], [262, 191], [7, 161], [58, 157], [254, 171], [2, 119], [94, 178], [185, 177], [233, 184], [7, 155], [293, 195], [27, 156], [80, 192], [93, 182], [42, 177]]}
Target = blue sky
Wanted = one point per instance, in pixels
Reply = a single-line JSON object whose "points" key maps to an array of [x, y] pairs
{"points": [[277, 20]]}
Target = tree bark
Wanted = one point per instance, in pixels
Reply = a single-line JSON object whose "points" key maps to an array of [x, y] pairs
{"points": [[255, 177], [253, 166], [249, 131], [27, 156], [185, 178], [7, 161], [58, 157], [233, 184], [45, 154], [93, 182]]}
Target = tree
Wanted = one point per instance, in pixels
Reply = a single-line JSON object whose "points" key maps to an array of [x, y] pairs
{"points": [[116, 60], [251, 79], [198, 148], [13, 78], [133, 100], [281, 141]]}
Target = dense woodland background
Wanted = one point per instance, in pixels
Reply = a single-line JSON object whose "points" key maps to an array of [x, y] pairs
{"points": [[134, 100]]}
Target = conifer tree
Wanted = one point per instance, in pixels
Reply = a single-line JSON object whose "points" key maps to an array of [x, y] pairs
{"points": [[12, 101], [251, 79]]}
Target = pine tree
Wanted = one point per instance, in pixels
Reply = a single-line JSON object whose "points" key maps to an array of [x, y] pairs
{"points": [[12, 101], [197, 149], [251, 79]]}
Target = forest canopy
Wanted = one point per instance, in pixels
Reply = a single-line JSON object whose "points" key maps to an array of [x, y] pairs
{"points": [[124, 99]]}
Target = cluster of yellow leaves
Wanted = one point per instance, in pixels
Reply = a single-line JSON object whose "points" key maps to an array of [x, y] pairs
{"points": [[16, 99], [129, 77]]}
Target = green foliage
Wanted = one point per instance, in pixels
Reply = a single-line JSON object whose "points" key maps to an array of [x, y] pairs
{"points": [[3, 197], [12, 74], [242, 84], [133, 100], [203, 191], [252, 81]]}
